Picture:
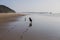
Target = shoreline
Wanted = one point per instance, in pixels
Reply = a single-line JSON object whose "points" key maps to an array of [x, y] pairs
{"points": [[9, 15], [6, 17]]}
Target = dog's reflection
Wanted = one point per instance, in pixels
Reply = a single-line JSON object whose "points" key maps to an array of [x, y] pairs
{"points": [[30, 24]]}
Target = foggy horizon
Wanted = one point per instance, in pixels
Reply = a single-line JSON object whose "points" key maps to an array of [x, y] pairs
{"points": [[33, 5]]}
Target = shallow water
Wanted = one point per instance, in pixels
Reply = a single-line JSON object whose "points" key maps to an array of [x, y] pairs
{"points": [[43, 27]]}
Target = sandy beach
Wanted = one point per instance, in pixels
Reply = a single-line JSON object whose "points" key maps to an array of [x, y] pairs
{"points": [[9, 16], [43, 27]]}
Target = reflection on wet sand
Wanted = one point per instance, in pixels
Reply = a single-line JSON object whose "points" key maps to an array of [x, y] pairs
{"points": [[41, 28], [30, 25], [21, 37], [25, 18], [25, 30]]}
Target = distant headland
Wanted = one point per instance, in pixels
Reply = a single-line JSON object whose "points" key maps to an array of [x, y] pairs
{"points": [[5, 9]]}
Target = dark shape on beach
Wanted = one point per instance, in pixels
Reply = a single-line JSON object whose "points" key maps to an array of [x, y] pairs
{"points": [[25, 30], [30, 19], [12, 28], [8, 30], [5, 9], [21, 36], [30, 24]]}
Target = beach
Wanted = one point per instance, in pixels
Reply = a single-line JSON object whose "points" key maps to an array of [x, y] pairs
{"points": [[43, 27], [8, 16]]}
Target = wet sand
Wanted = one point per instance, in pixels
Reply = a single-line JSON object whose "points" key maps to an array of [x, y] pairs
{"points": [[41, 28], [8, 16]]}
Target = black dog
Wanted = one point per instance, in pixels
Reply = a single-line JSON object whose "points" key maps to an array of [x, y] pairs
{"points": [[30, 19]]}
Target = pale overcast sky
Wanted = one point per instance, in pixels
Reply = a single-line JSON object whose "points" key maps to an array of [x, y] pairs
{"points": [[32, 5]]}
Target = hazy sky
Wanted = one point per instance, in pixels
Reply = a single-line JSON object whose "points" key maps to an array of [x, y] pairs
{"points": [[32, 5]]}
